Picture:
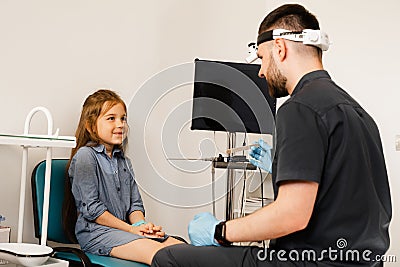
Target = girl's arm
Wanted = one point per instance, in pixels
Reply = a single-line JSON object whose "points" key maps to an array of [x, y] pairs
{"points": [[136, 216], [110, 220], [149, 228]]}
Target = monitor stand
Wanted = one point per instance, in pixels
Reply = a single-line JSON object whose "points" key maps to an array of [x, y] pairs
{"points": [[230, 180]]}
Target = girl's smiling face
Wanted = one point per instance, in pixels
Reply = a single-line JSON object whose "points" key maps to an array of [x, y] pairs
{"points": [[111, 127]]}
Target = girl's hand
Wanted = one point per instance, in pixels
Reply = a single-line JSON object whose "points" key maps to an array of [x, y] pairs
{"points": [[137, 230], [157, 232], [153, 231], [148, 229]]}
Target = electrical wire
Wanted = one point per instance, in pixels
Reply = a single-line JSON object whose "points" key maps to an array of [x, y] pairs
{"points": [[262, 188], [242, 206], [213, 187], [262, 197], [242, 213], [244, 141]]}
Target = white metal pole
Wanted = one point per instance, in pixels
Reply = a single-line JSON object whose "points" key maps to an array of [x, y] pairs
{"points": [[47, 177], [46, 197], [22, 195]]}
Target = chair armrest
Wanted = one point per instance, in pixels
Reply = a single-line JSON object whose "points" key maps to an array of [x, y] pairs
{"points": [[78, 252]]}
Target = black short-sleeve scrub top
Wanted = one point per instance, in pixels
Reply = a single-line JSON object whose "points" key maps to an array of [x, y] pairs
{"points": [[324, 135]]}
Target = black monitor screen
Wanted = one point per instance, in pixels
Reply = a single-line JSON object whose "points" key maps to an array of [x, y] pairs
{"points": [[230, 97]]}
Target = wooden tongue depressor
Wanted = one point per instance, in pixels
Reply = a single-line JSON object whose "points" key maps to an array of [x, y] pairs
{"points": [[240, 148]]}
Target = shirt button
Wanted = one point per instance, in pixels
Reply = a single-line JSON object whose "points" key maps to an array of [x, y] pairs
{"points": [[118, 189], [124, 170], [84, 204]]}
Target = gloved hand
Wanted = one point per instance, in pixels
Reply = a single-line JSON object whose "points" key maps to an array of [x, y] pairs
{"points": [[202, 228], [261, 156]]}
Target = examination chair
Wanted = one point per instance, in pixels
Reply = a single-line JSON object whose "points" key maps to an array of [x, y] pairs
{"points": [[55, 232]]}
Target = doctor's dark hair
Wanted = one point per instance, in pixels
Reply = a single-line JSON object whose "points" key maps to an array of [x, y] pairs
{"points": [[95, 105], [293, 17]]}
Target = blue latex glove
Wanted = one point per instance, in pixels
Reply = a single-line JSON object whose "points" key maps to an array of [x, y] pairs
{"points": [[202, 228], [261, 156]]}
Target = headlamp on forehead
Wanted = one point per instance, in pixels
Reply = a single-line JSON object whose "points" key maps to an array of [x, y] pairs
{"points": [[253, 53], [316, 38]]}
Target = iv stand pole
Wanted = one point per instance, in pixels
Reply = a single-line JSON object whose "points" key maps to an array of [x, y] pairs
{"points": [[230, 180]]}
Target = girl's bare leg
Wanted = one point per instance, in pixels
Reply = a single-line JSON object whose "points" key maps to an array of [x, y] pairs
{"points": [[142, 250]]}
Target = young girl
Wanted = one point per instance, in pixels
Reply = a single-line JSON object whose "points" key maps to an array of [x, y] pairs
{"points": [[110, 212]]}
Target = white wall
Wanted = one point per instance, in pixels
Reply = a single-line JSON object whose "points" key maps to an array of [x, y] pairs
{"points": [[54, 53]]}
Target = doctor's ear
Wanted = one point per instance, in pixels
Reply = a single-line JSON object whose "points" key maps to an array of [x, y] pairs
{"points": [[280, 48]]}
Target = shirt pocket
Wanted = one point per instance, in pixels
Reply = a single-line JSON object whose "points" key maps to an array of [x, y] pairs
{"points": [[83, 226]]}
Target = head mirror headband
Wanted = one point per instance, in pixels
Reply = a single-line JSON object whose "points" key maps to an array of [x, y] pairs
{"points": [[316, 38]]}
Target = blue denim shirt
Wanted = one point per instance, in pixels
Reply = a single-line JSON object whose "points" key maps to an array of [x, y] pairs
{"points": [[101, 183]]}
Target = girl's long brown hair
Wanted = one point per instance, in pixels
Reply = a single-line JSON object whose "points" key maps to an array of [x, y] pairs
{"points": [[96, 104]]}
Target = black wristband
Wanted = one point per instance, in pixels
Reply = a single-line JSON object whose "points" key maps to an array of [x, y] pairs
{"points": [[220, 235]]}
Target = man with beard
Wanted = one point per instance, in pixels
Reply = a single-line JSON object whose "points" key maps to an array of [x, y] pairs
{"points": [[332, 199]]}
